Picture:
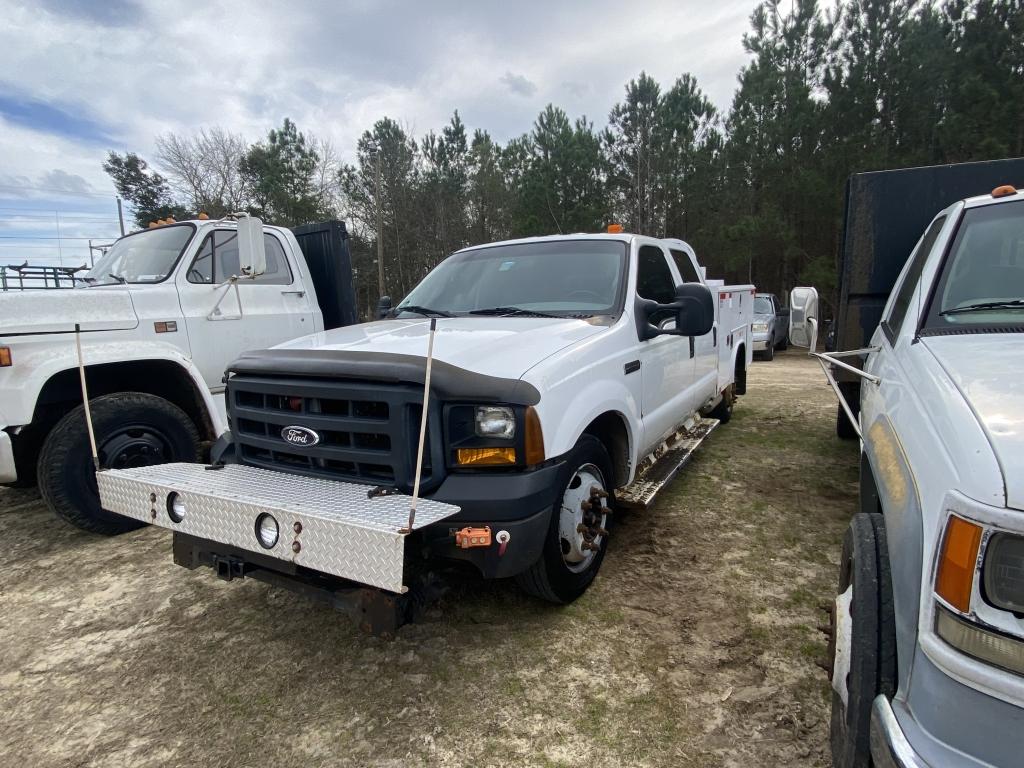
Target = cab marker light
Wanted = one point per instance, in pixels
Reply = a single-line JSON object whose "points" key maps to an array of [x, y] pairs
{"points": [[1004, 191], [957, 559]]}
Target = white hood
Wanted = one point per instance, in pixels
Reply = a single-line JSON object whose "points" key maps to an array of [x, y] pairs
{"points": [[505, 347], [988, 370], [57, 310]]}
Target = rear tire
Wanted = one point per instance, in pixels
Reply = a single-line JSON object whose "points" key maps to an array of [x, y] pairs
{"points": [[784, 344], [723, 411], [864, 567], [769, 351], [851, 393], [552, 577], [132, 429]]}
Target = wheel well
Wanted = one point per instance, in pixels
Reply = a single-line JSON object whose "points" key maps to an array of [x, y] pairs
{"points": [[162, 378], [610, 429], [740, 370]]}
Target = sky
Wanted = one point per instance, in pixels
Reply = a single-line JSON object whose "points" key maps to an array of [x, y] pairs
{"points": [[81, 77]]}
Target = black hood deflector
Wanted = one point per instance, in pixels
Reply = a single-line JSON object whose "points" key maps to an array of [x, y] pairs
{"points": [[447, 381]]}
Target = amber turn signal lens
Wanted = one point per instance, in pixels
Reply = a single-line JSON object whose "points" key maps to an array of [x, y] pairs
{"points": [[956, 562], [5, 357], [1004, 191], [534, 438], [485, 456]]}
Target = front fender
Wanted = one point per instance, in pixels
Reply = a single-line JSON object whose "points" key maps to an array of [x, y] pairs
{"points": [[566, 414], [898, 496], [36, 364]]}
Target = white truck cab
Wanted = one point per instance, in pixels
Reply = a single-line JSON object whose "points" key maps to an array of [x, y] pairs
{"points": [[160, 315], [561, 369], [928, 628]]}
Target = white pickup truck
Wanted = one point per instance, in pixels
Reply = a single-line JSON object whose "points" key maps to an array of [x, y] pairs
{"points": [[161, 315], [561, 368], [927, 631]]}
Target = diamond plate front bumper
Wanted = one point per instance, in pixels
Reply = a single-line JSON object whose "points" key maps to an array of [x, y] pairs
{"points": [[337, 528]]}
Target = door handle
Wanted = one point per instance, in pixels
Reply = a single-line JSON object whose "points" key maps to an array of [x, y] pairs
{"points": [[300, 294]]}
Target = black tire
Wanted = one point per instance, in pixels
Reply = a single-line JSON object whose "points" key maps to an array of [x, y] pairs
{"points": [[132, 429], [769, 350], [723, 411], [865, 566], [851, 393], [549, 578]]}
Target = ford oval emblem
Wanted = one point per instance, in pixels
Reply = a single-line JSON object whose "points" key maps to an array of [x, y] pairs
{"points": [[301, 436]]}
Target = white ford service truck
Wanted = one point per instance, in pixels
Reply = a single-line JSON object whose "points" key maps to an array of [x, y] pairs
{"points": [[160, 315], [927, 631], [561, 369]]}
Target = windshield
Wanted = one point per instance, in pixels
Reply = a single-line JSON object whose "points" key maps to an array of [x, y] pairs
{"points": [[563, 278], [145, 257], [982, 280], [763, 306]]}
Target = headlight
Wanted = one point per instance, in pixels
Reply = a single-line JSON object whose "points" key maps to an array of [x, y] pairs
{"points": [[175, 507], [266, 530], [495, 421], [760, 327], [1004, 572]]}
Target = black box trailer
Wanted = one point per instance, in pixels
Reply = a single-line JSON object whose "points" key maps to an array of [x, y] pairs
{"points": [[885, 214]]}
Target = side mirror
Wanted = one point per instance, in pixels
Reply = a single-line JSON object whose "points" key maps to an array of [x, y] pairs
{"points": [[803, 318], [383, 307], [252, 250], [694, 309]]}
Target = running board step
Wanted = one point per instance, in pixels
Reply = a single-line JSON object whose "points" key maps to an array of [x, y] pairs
{"points": [[658, 468]]}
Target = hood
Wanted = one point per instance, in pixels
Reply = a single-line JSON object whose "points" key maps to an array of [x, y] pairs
{"points": [[987, 370], [503, 347], [57, 310]]}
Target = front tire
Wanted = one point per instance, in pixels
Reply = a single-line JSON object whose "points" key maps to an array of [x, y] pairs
{"points": [[769, 351], [132, 429], [866, 649], [565, 568]]}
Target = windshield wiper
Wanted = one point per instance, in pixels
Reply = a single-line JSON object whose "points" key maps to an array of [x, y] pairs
{"points": [[983, 306], [118, 278], [425, 311], [510, 312]]}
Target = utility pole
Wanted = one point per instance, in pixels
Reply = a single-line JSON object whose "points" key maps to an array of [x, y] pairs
{"points": [[120, 216], [380, 234]]}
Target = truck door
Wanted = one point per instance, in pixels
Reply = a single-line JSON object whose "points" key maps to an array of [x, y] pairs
{"points": [[666, 365], [225, 319], [705, 348]]}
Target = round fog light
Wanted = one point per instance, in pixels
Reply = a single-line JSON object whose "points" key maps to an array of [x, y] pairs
{"points": [[175, 507], [266, 530]]}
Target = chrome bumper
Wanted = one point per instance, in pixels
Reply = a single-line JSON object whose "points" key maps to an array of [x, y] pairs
{"points": [[889, 745], [325, 525], [8, 472]]}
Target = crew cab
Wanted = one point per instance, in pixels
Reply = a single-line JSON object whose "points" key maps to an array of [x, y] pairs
{"points": [[560, 368], [927, 649], [159, 317]]}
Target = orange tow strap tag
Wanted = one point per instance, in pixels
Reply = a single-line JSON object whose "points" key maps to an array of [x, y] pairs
{"points": [[473, 537]]}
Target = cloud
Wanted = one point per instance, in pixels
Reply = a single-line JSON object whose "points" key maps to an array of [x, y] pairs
{"points": [[94, 77], [519, 84]]}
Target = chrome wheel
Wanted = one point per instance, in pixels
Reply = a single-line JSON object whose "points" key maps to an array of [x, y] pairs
{"points": [[583, 516]]}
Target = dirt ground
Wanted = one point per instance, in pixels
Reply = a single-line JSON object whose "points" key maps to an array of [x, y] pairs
{"points": [[696, 646]]}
